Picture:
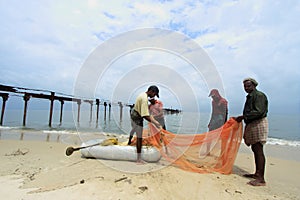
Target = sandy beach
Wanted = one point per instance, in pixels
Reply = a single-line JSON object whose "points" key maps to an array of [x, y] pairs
{"points": [[41, 170]]}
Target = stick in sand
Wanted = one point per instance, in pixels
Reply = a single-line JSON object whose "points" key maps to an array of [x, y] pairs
{"points": [[70, 150]]}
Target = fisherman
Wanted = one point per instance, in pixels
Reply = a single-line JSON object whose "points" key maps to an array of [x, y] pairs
{"points": [[140, 112], [256, 129]]}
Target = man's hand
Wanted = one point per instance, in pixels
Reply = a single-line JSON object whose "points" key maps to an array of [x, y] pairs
{"points": [[239, 118], [157, 124]]}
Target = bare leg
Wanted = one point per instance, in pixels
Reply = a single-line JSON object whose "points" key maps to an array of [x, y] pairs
{"points": [[133, 130], [139, 150], [130, 138], [139, 141], [260, 162]]}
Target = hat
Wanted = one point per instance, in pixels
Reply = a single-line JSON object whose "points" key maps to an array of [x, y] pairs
{"points": [[213, 92], [252, 80], [154, 89]]}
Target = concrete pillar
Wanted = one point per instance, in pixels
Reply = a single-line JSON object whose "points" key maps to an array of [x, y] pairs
{"points": [[109, 111], [97, 113], [91, 111], [51, 108], [26, 99], [105, 105], [4, 98], [78, 113], [121, 110], [61, 111]]}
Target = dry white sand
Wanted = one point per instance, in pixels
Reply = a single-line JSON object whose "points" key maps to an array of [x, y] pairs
{"points": [[40, 170]]}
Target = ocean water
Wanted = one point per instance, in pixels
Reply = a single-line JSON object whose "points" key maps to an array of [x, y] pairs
{"points": [[283, 129]]}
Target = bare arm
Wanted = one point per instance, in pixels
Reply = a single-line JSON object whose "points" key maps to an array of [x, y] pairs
{"points": [[152, 120]]}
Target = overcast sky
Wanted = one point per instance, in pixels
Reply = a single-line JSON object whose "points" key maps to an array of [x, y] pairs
{"points": [[48, 45]]}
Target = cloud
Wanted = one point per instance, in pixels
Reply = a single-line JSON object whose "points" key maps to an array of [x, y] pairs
{"points": [[45, 44]]}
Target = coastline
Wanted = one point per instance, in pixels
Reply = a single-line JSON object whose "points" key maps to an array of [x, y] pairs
{"points": [[283, 150], [44, 171]]}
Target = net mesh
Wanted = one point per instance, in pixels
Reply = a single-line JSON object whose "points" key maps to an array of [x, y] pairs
{"points": [[213, 151]]}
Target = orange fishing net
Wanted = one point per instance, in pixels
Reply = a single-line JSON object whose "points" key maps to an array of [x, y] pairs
{"points": [[214, 151]]}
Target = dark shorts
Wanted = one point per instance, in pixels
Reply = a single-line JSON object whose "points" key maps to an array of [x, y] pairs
{"points": [[136, 119], [136, 123]]}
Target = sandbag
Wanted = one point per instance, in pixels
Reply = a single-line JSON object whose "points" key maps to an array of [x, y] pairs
{"points": [[117, 152]]}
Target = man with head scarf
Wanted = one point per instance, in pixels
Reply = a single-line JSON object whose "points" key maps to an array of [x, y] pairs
{"points": [[219, 110], [218, 115], [256, 129], [156, 110]]}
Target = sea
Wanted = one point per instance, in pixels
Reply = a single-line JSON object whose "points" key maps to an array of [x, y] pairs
{"points": [[284, 129]]}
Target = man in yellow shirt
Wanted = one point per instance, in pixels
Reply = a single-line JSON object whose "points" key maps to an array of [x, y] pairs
{"points": [[140, 112]]}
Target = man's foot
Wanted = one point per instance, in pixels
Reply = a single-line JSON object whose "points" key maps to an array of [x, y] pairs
{"points": [[167, 152], [140, 162], [250, 176], [257, 183]]}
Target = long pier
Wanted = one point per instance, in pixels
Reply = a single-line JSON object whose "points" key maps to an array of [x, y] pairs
{"points": [[51, 96]]}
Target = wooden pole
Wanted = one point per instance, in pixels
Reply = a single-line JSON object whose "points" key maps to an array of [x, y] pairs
{"points": [[4, 98], [26, 99]]}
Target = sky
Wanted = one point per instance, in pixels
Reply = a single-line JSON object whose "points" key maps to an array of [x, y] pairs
{"points": [[113, 50]]}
